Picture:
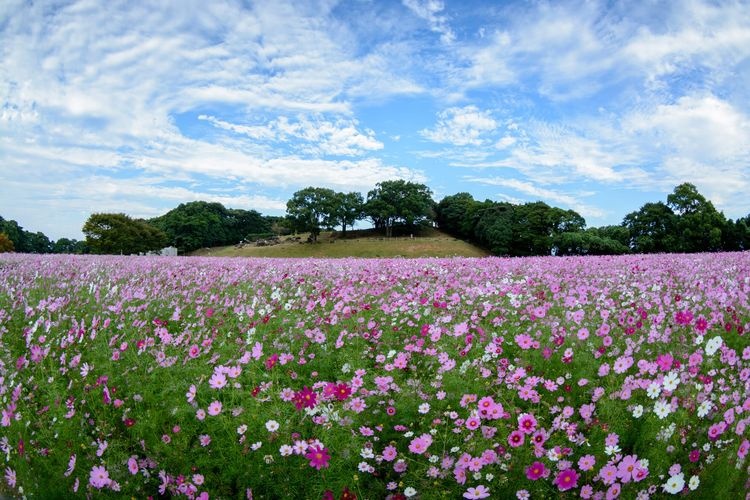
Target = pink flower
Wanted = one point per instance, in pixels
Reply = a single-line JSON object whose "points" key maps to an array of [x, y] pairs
{"points": [[420, 444], [626, 468], [536, 471], [613, 491], [565, 480], [586, 462], [318, 457], [480, 491], [743, 449], [204, 439], [389, 453], [526, 423], [515, 439], [694, 455], [218, 380], [99, 477], [214, 408], [608, 474], [133, 465]]}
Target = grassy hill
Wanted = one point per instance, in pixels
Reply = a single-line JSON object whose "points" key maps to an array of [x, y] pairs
{"points": [[363, 243]]}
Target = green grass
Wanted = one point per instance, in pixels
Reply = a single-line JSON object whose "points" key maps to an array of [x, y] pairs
{"points": [[366, 244]]}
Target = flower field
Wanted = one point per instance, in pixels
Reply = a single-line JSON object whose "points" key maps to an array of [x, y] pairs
{"points": [[595, 377]]}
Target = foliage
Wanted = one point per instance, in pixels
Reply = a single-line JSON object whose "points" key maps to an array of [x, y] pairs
{"points": [[399, 201], [312, 209], [433, 378], [348, 209], [201, 224], [652, 228], [118, 233], [6, 245]]}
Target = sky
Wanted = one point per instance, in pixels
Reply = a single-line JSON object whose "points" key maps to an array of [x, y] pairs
{"points": [[596, 106]]}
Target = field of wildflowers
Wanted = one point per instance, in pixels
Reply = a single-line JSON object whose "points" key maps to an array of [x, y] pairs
{"points": [[430, 378]]}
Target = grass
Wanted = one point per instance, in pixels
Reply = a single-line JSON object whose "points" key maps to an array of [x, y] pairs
{"points": [[366, 244]]}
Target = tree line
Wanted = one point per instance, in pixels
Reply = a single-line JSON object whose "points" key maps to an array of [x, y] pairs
{"points": [[687, 222]]}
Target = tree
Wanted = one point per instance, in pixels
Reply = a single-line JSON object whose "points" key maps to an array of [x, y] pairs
{"points": [[452, 212], [399, 201], [495, 226], [70, 246], [16, 234], [312, 209], [587, 243], [347, 209], [699, 225], [651, 228], [38, 243], [6, 245], [117, 233]]}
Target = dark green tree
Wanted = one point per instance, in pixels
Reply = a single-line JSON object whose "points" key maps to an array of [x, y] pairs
{"points": [[495, 227], [348, 209], [398, 201], [312, 209], [108, 233], [453, 212], [652, 228], [71, 246], [38, 243], [699, 225]]}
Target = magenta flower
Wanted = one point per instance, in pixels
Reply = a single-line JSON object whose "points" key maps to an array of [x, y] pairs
{"points": [[526, 423], [515, 439], [318, 457], [306, 398], [565, 480], [536, 471]]}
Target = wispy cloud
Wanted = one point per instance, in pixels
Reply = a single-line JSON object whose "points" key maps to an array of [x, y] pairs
{"points": [[461, 126], [430, 10]]}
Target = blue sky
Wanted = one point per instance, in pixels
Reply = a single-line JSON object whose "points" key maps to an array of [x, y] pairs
{"points": [[135, 107]]}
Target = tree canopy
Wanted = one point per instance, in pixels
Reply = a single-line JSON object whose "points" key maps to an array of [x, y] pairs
{"points": [[108, 233], [399, 201]]}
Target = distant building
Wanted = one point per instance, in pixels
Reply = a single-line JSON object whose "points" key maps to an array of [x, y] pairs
{"points": [[168, 252]]}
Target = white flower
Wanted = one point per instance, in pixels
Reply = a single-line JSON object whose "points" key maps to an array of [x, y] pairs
{"points": [[612, 450], [272, 426], [367, 453], [699, 340], [662, 409], [713, 345], [489, 477], [346, 368], [704, 408], [675, 484], [424, 408], [671, 381], [637, 411], [693, 483], [409, 492], [242, 429], [285, 450], [654, 389]]}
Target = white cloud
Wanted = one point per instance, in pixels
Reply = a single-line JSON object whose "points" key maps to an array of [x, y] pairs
{"points": [[461, 126], [429, 10]]}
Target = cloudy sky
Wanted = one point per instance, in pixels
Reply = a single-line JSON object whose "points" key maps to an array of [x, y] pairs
{"points": [[598, 106]]}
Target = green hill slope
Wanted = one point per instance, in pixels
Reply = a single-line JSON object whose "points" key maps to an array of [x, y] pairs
{"points": [[431, 243]]}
